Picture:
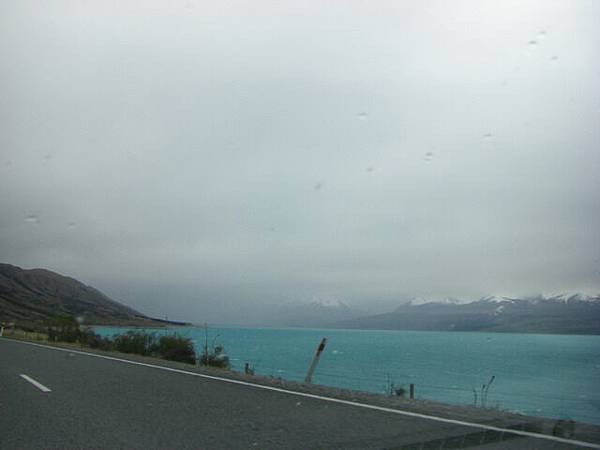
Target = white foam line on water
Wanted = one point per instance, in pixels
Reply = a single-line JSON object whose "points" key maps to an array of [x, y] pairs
{"points": [[37, 384], [329, 399]]}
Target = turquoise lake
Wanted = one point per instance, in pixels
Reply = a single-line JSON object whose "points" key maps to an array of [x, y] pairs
{"points": [[544, 375]]}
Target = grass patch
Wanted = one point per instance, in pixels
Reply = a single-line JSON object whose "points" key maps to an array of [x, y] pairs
{"points": [[24, 334]]}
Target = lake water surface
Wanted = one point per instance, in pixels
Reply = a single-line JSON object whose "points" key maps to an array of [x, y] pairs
{"points": [[545, 375]]}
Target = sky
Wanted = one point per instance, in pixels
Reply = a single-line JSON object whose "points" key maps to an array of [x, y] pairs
{"points": [[213, 160]]}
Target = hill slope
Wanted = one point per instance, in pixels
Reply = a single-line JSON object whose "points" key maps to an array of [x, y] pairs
{"points": [[32, 296]]}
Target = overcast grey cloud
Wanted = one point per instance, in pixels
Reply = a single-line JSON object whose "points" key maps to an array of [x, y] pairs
{"points": [[208, 159]]}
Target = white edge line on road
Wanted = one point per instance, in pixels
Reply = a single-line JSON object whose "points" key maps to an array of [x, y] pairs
{"points": [[328, 399], [37, 384]]}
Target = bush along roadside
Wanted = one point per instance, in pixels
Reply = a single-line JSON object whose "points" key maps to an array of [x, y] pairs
{"points": [[171, 347], [215, 358]]}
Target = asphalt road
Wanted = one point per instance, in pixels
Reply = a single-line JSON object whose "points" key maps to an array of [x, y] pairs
{"points": [[98, 403]]}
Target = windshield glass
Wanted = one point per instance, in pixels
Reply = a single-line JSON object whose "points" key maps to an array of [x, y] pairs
{"points": [[417, 182]]}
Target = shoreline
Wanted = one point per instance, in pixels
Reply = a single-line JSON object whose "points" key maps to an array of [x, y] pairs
{"points": [[483, 416], [358, 330], [382, 330]]}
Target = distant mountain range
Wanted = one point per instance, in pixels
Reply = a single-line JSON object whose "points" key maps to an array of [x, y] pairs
{"points": [[30, 297], [561, 314], [314, 313], [33, 296]]}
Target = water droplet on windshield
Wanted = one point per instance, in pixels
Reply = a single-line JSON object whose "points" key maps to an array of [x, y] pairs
{"points": [[370, 169], [428, 156], [554, 58], [363, 115], [488, 136], [533, 43], [71, 225], [318, 186], [541, 34], [32, 218]]}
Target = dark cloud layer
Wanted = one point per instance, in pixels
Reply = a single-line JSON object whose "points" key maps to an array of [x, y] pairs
{"points": [[207, 160]]}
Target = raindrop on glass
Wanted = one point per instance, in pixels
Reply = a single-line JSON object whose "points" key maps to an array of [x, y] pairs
{"points": [[32, 218], [363, 115], [370, 169], [533, 43], [428, 156], [488, 136], [71, 225], [554, 58], [318, 186], [541, 34]]}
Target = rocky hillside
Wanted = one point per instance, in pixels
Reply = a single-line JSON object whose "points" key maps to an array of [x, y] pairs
{"points": [[32, 296]]}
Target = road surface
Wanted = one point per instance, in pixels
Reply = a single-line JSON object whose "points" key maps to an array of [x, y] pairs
{"points": [[56, 399]]}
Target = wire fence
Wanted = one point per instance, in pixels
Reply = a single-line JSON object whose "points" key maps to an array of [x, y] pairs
{"points": [[381, 382]]}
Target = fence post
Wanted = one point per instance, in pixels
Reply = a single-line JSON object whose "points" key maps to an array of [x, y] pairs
{"points": [[206, 344], [412, 391], [315, 361]]}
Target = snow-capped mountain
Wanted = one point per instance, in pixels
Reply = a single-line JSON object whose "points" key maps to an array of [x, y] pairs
{"points": [[494, 299], [565, 298], [314, 312]]}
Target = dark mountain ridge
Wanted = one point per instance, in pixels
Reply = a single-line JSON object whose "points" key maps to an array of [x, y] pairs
{"points": [[565, 314], [35, 295]]}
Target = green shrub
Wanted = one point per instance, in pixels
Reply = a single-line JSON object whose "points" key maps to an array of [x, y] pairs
{"points": [[175, 348], [93, 340], [137, 342], [63, 328], [172, 347], [216, 358]]}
